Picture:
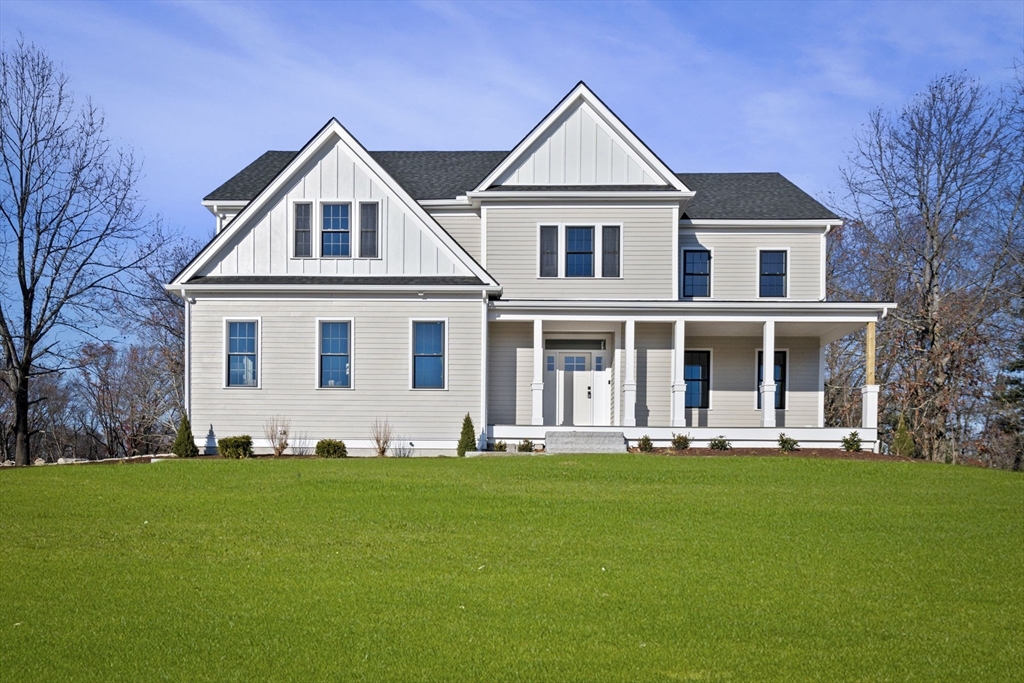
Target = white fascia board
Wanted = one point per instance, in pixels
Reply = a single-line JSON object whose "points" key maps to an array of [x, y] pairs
{"points": [[215, 207], [581, 93], [600, 196], [676, 308], [187, 289], [819, 223], [460, 202]]}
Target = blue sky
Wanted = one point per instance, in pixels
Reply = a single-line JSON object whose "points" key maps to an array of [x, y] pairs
{"points": [[199, 89]]}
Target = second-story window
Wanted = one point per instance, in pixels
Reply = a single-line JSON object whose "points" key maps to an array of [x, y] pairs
{"points": [[579, 251], [696, 273], [303, 231], [772, 274], [334, 234], [611, 251], [368, 230], [549, 251]]}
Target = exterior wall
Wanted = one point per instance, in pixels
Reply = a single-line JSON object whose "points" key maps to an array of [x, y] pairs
{"points": [[288, 366], [510, 373], [653, 374], [407, 247], [465, 228], [734, 260], [513, 258]]}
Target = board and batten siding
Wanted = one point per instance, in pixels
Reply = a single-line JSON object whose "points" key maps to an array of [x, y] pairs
{"points": [[513, 246], [265, 246], [380, 362], [465, 229], [734, 259]]}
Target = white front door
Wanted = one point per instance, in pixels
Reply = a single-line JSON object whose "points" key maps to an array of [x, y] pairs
{"points": [[575, 388]]}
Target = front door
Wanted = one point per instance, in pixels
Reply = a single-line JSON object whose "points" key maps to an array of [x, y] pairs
{"points": [[576, 388]]}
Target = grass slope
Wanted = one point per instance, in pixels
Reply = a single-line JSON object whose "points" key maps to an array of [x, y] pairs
{"points": [[628, 568]]}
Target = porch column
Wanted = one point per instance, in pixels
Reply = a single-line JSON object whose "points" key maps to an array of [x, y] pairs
{"points": [[538, 372], [869, 392], [679, 375], [768, 375], [629, 383]]}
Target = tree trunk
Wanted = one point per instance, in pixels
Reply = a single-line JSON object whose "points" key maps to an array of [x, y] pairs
{"points": [[21, 435]]}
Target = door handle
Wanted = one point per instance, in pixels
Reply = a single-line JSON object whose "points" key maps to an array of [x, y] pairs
{"points": [[588, 392]]}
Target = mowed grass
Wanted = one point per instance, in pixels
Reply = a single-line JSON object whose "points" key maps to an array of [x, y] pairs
{"points": [[590, 568]]}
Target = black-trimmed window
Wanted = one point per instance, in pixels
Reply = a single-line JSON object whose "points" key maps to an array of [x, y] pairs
{"points": [[335, 354], [368, 230], [611, 250], [428, 355], [242, 366], [697, 373], [549, 251], [773, 273], [780, 378], [579, 251], [303, 230], [696, 272], [335, 236]]}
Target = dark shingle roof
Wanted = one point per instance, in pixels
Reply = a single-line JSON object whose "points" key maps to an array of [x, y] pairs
{"points": [[749, 196], [247, 183], [582, 188], [425, 281]]}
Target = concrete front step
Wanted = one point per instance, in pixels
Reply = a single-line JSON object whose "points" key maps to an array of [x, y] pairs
{"points": [[584, 442]]}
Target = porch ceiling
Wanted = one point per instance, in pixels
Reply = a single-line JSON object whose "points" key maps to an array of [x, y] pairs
{"points": [[826, 331]]}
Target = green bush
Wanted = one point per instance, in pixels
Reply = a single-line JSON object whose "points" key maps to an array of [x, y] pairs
{"points": [[467, 439], [903, 441], [852, 442], [500, 446], [788, 444], [680, 442], [720, 443], [525, 446], [331, 448], [235, 446], [645, 444], [184, 443]]}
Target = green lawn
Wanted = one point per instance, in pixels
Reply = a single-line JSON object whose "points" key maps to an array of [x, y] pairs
{"points": [[628, 568]]}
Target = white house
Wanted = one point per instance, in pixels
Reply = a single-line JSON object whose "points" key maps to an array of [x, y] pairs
{"points": [[573, 283]]}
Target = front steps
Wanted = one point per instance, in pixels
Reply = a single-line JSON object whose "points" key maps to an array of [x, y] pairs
{"points": [[584, 442]]}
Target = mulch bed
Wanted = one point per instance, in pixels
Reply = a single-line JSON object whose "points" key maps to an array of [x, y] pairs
{"points": [[833, 453]]}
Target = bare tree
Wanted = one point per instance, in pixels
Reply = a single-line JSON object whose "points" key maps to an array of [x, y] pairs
{"points": [[69, 223], [382, 434], [276, 431]]}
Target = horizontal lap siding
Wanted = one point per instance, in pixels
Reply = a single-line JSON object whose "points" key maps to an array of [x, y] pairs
{"points": [[510, 373], [653, 374], [465, 228], [380, 369], [512, 253]]}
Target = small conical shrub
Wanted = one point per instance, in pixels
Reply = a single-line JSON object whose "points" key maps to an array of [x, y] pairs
{"points": [[184, 443], [903, 441], [467, 440]]}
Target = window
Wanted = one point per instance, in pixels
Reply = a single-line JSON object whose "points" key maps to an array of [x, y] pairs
{"points": [[575, 363], [696, 273], [551, 364], [780, 378], [610, 251], [335, 354], [697, 374], [335, 235], [242, 354], [773, 273], [598, 364], [303, 232], [368, 230], [579, 252], [428, 355], [549, 251]]}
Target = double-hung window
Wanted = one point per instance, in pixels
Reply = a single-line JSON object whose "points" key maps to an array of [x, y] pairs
{"points": [[773, 274], [549, 251], [697, 373], [780, 378], [335, 354], [335, 235], [428, 345], [242, 346], [368, 230], [303, 230], [611, 251], [696, 273], [580, 251]]}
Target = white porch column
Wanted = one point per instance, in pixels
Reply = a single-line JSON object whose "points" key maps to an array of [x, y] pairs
{"points": [[538, 372], [679, 375], [869, 392], [768, 375], [629, 383]]}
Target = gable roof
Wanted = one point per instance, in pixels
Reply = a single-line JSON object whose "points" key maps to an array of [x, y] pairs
{"points": [[749, 196]]}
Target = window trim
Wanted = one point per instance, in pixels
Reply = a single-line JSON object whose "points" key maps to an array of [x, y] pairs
{"points": [[711, 272], [312, 228], [226, 346], [711, 377], [757, 389], [786, 277], [598, 228], [411, 355], [359, 222], [351, 352]]}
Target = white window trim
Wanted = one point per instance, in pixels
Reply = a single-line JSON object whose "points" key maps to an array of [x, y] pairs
{"points": [[351, 353], [711, 271], [598, 249], [412, 350], [711, 378], [757, 273], [312, 228], [359, 228], [225, 346], [789, 388], [320, 204]]}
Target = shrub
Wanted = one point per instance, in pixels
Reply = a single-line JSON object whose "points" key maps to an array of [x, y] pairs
{"points": [[525, 446], [184, 443], [467, 439], [680, 442], [382, 434], [331, 448], [500, 446], [401, 447], [852, 442], [788, 444], [235, 446], [276, 431], [644, 444], [903, 441], [720, 443]]}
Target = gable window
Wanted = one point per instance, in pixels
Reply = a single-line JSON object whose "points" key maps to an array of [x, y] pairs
{"points": [[773, 273], [335, 238], [242, 354], [368, 230], [335, 355], [549, 251], [696, 273], [579, 251], [303, 230], [428, 355], [610, 251], [697, 374], [780, 378]]}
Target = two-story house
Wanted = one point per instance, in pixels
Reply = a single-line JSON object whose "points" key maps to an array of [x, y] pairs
{"points": [[573, 283]]}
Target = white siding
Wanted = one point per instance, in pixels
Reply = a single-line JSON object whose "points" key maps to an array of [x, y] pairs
{"points": [[465, 228]]}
